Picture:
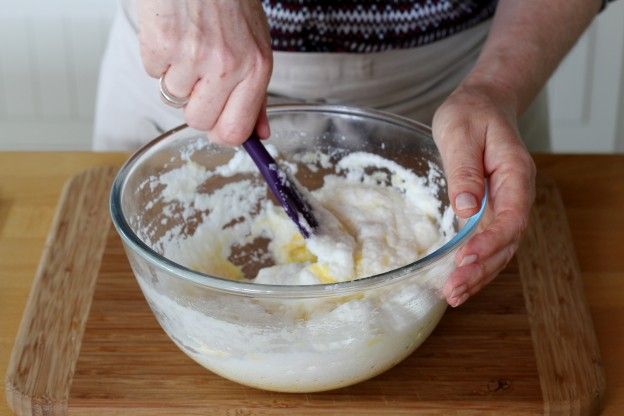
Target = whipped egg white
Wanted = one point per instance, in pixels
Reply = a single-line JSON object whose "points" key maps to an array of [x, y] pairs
{"points": [[375, 216]]}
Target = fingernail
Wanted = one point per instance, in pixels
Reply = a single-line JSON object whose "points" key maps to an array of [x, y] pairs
{"points": [[469, 259], [458, 291], [465, 201], [460, 300]]}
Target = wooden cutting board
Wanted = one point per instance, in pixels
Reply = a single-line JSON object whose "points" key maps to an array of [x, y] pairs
{"points": [[88, 343]]}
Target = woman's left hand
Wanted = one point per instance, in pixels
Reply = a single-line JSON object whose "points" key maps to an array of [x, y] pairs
{"points": [[476, 132]]}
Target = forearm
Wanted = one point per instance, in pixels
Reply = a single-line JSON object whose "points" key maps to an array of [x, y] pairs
{"points": [[527, 41]]}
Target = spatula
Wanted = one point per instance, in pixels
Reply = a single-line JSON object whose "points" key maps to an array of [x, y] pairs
{"points": [[282, 186]]}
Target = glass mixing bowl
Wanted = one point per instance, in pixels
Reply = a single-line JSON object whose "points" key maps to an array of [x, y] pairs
{"points": [[278, 337]]}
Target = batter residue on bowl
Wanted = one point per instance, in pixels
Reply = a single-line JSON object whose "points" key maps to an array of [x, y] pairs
{"points": [[375, 216]]}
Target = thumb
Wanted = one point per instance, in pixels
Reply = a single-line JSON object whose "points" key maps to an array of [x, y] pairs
{"points": [[462, 157]]}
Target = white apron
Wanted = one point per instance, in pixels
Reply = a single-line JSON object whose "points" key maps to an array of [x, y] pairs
{"points": [[408, 82]]}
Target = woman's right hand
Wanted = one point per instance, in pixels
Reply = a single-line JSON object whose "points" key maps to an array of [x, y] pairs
{"points": [[217, 53]]}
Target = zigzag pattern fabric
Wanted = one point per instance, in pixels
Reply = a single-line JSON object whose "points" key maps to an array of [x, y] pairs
{"points": [[363, 26]]}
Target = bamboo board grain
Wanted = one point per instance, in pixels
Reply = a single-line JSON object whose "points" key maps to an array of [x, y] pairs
{"points": [[46, 348], [525, 345]]}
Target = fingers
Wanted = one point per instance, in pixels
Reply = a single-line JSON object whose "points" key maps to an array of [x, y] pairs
{"points": [[488, 252], [461, 149], [468, 279], [241, 112], [218, 54], [512, 193], [180, 78], [207, 102], [228, 104], [476, 132], [159, 34], [155, 60], [506, 228], [262, 125]]}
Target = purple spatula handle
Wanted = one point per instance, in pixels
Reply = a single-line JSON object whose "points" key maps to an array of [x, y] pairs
{"points": [[282, 187]]}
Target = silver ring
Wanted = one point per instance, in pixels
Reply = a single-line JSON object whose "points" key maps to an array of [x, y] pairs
{"points": [[168, 98]]}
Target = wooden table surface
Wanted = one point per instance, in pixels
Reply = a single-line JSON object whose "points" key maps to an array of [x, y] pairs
{"points": [[592, 188]]}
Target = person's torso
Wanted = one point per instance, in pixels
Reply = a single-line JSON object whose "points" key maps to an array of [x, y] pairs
{"points": [[363, 26]]}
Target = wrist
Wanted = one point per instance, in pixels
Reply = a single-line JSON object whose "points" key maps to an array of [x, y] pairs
{"points": [[496, 90]]}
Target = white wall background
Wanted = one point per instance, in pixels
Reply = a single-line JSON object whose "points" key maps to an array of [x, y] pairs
{"points": [[50, 53], [586, 93], [49, 58]]}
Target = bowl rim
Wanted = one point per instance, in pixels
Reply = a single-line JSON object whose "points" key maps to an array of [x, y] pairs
{"points": [[131, 240]]}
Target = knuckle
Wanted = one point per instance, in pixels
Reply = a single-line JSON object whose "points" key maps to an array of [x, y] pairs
{"points": [[196, 120], [162, 49], [457, 134], [266, 53], [231, 133], [519, 155], [164, 36], [194, 49], [507, 229], [519, 171], [263, 63], [229, 62], [168, 44], [446, 126], [152, 67], [466, 174], [526, 162], [152, 60], [158, 42], [484, 240], [163, 22]]}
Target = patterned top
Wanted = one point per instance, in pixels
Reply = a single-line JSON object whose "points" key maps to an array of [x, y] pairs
{"points": [[369, 25]]}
